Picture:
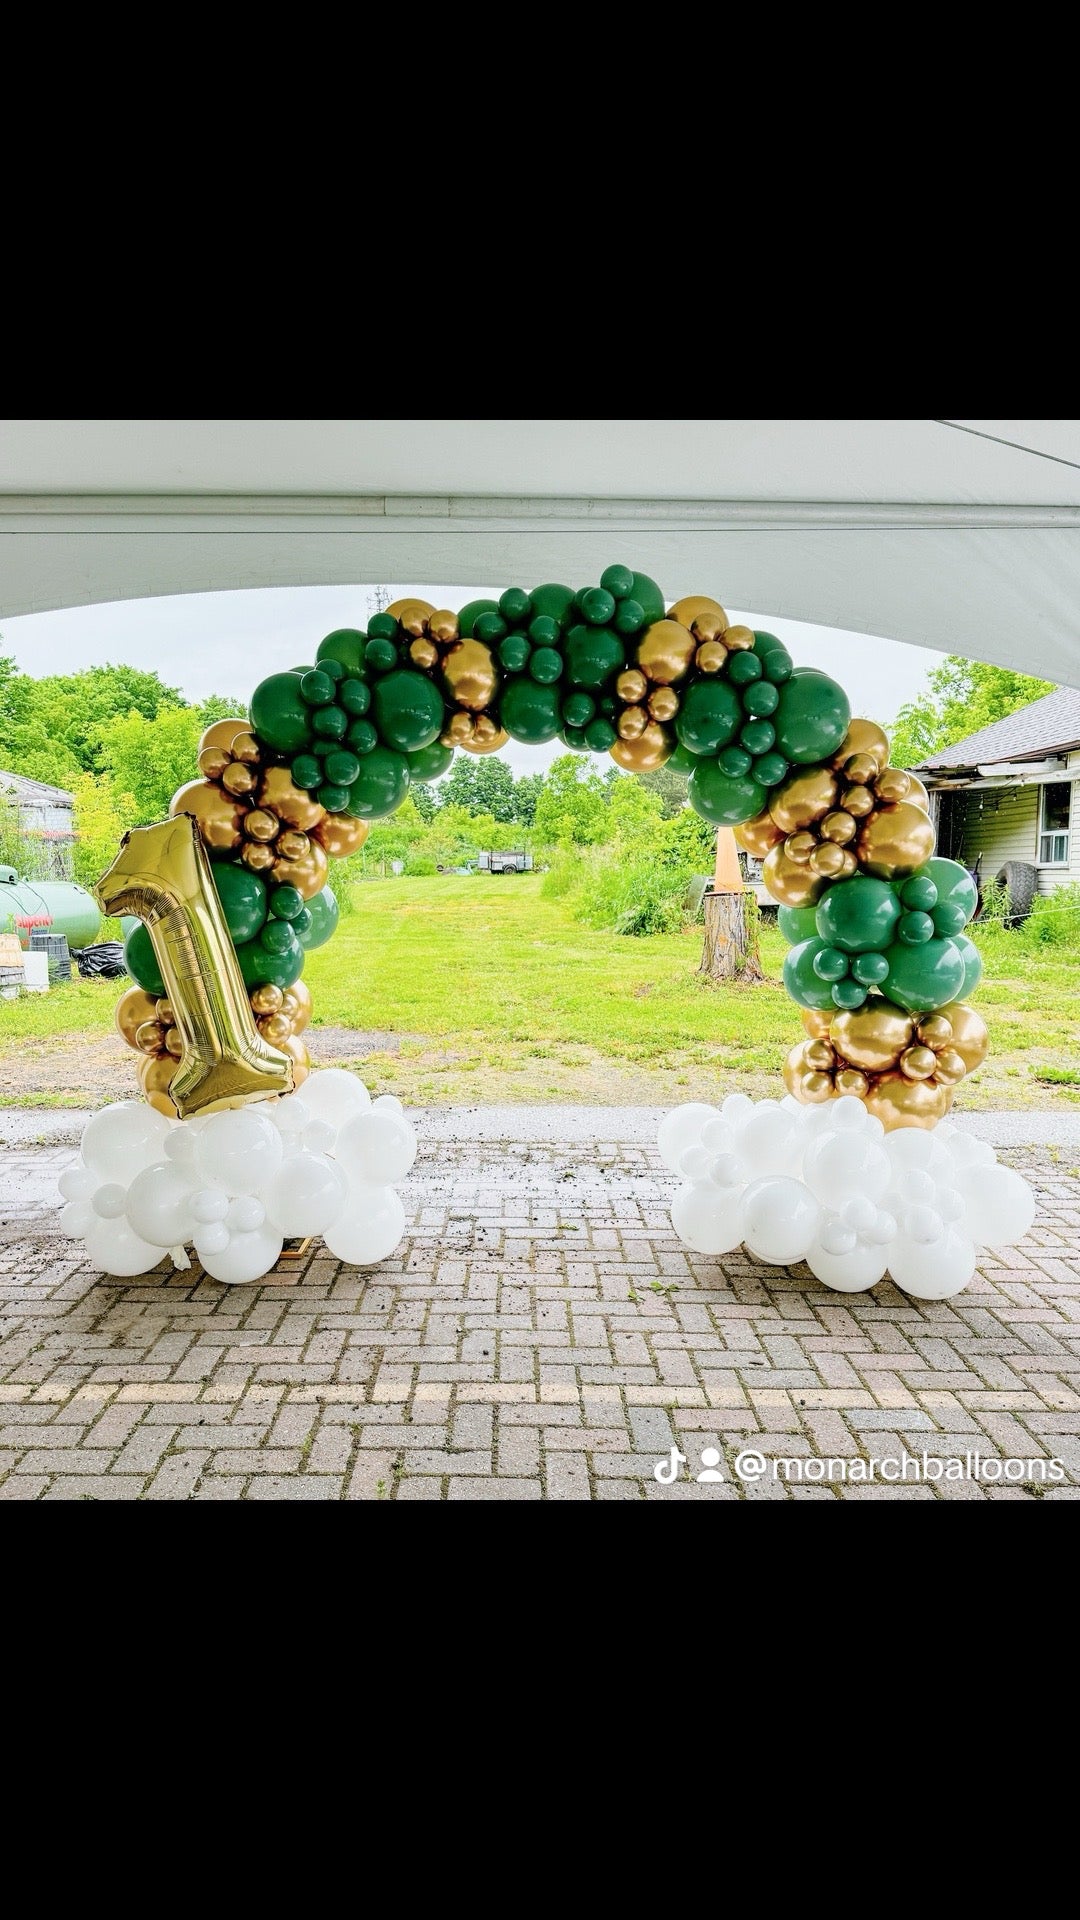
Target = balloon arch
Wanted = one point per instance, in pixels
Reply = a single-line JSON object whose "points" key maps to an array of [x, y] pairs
{"points": [[232, 891]]}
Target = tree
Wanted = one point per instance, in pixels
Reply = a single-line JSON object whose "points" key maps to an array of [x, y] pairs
{"points": [[481, 783], [527, 792], [63, 717], [150, 760], [219, 706], [572, 808], [672, 788], [102, 814], [960, 697]]}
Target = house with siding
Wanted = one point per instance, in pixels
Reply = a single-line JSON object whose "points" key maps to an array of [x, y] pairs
{"points": [[1007, 795], [46, 817]]}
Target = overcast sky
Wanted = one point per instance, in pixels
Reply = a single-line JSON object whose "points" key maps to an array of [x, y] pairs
{"points": [[225, 642]]}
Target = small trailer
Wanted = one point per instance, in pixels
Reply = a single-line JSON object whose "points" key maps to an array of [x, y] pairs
{"points": [[505, 860]]}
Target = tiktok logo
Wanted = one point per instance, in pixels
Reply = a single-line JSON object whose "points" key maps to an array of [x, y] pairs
{"points": [[667, 1470]]}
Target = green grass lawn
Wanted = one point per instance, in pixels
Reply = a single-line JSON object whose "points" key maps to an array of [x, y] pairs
{"points": [[492, 993]]}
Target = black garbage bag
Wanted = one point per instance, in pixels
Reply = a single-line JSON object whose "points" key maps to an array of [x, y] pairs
{"points": [[106, 959]]}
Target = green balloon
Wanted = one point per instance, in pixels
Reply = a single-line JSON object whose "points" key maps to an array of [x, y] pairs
{"points": [[323, 910], [870, 969], [330, 723], [334, 798], [709, 715], [341, 767], [812, 717], [243, 899], [593, 655], [384, 626], [600, 735], [758, 736], [286, 903], [858, 915], [514, 652], [578, 709], [554, 600], [544, 631], [409, 712], [804, 985], [761, 699], [949, 918], [545, 665], [346, 645], [354, 696], [302, 924], [279, 716], [629, 617], [362, 736], [141, 962], [926, 977], [381, 654], [530, 712], [831, 965], [306, 770], [574, 738], [973, 966], [769, 769], [919, 892], [734, 760], [743, 667], [848, 993], [796, 923], [382, 783], [682, 760], [774, 657], [618, 580], [490, 628], [316, 688], [515, 605], [722, 800], [277, 937], [649, 598], [262, 969], [954, 884], [915, 928], [430, 763]]}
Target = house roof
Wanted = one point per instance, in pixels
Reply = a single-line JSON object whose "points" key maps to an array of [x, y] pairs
{"points": [[1049, 725], [35, 791]]}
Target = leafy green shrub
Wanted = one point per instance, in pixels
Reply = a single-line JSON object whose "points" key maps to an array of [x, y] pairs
{"points": [[995, 903], [419, 866], [1054, 919], [635, 896], [564, 875]]}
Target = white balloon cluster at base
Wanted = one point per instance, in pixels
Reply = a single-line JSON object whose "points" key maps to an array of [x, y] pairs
{"points": [[239, 1183], [826, 1184]]}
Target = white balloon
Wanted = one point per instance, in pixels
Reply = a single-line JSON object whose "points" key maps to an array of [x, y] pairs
{"points": [[950, 1204], [246, 1214], [780, 1218], [924, 1225], [838, 1166], [849, 1272], [239, 1150], [369, 1227], [694, 1164], [108, 1202], [333, 1095], [115, 1247], [208, 1205], [378, 1148], [247, 1257], [909, 1147], [388, 1103], [290, 1114], [706, 1220], [859, 1213], [728, 1170], [214, 1237], [874, 1127], [969, 1151], [847, 1114], [736, 1108], [999, 1206], [180, 1144], [682, 1128], [766, 1138], [76, 1219], [885, 1228], [318, 1137], [936, 1272], [159, 1204], [78, 1183], [122, 1139], [313, 1195], [717, 1136], [835, 1238], [915, 1185]]}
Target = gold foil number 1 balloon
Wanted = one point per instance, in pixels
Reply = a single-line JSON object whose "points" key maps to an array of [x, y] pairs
{"points": [[162, 874]]}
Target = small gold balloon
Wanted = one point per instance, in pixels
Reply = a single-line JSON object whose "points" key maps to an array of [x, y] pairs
{"points": [[150, 1037], [839, 827], [819, 1055], [917, 795], [799, 847], [258, 857], [458, 729], [935, 1031], [850, 1080], [219, 817], [237, 778], [858, 801], [276, 1028], [297, 1004], [222, 733], [949, 1067], [918, 1063], [759, 835], [893, 784], [861, 769], [816, 1021], [424, 653], [793, 1069], [482, 742], [266, 1000], [245, 747], [340, 834], [711, 657], [815, 1088], [262, 825], [969, 1035], [413, 615], [872, 1036], [279, 795], [133, 1010], [863, 737], [213, 762], [806, 796], [485, 728], [631, 686], [899, 1102], [739, 638], [298, 1054], [443, 626], [646, 753], [156, 1075], [848, 866], [704, 617], [174, 1042], [664, 703], [791, 882], [165, 1014], [471, 675], [307, 871], [631, 723], [895, 840], [665, 652], [292, 846], [828, 860]]}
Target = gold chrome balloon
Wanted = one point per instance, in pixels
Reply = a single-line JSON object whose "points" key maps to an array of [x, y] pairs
{"points": [[222, 733], [213, 762], [413, 615], [829, 860], [296, 1002], [443, 626], [949, 1067], [897, 1102], [815, 1088], [458, 729], [917, 794], [839, 827], [155, 1077], [631, 686], [424, 654], [863, 737], [759, 835], [665, 652], [739, 638], [165, 1014], [266, 1000], [646, 753], [793, 1069], [664, 703], [819, 1055], [799, 847], [174, 1042], [298, 1055], [969, 1036], [918, 1063], [858, 801], [895, 840], [278, 794], [262, 825], [238, 779], [150, 1037], [816, 1021], [711, 657], [872, 1036], [705, 618], [339, 834], [485, 737], [631, 723], [162, 873], [791, 882], [935, 1031], [218, 816], [307, 871], [805, 797], [861, 770], [275, 1027], [258, 857], [892, 784], [133, 1010], [849, 1080], [471, 675], [245, 747]]}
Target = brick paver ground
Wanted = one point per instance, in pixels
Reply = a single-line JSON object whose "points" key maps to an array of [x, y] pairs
{"points": [[541, 1334]]}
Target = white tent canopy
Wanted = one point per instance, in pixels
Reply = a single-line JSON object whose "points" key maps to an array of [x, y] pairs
{"points": [[962, 536]]}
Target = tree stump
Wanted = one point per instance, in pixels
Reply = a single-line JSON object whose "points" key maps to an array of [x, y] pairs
{"points": [[731, 949]]}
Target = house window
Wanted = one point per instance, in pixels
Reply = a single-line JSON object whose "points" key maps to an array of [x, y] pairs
{"points": [[1054, 824]]}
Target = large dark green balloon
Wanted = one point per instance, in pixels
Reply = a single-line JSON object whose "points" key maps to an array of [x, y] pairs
{"points": [[381, 785], [955, 886], [593, 655], [973, 966], [263, 969], [347, 645], [531, 712], [804, 985], [858, 915], [243, 897], [141, 962], [796, 923], [682, 760], [649, 598], [710, 714], [409, 711], [556, 601], [722, 799], [470, 614], [430, 763], [923, 978], [324, 918], [812, 718], [279, 715]]}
